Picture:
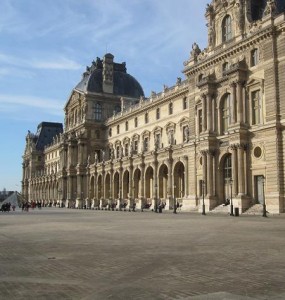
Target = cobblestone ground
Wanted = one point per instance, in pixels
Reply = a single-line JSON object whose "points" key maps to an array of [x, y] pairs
{"points": [[81, 254]]}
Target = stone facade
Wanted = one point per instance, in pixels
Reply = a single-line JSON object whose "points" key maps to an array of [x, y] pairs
{"points": [[217, 134]]}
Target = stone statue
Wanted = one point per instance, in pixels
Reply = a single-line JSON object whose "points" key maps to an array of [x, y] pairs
{"points": [[186, 134], [111, 153], [103, 155], [88, 160], [156, 142], [96, 158], [170, 137], [195, 51]]}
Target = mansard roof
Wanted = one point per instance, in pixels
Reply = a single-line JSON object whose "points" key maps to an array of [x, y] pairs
{"points": [[123, 83], [46, 131]]}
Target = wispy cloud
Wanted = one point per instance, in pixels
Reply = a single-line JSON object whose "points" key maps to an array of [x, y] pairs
{"points": [[17, 103], [58, 63]]}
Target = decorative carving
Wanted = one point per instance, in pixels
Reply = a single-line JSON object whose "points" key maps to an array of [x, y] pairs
{"points": [[270, 8], [195, 51]]}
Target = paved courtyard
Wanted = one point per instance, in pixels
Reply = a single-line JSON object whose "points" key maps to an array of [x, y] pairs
{"points": [[80, 254]]}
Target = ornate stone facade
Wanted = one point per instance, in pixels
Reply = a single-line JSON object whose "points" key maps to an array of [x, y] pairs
{"points": [[217, 133]]}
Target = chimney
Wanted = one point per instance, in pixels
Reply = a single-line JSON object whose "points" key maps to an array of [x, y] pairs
{"points": [[108, 68]]}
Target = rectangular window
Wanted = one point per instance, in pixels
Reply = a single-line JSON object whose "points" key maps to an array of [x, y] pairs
{"points": [[118, 129], [145, 143], [146, 118], [117, 151], [126, 149], [157, 113], [254, 57], [136, 145], [170, 108], [127, 125], [98, 111], [200, 120], [185, 103], [136, 122], [256, 107], [157, 141]]}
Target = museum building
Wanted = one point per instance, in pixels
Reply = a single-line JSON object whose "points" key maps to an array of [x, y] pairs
{"points": [[217, 134]]}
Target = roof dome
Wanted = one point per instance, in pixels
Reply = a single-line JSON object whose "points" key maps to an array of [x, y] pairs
{"points": [[105, 76]]}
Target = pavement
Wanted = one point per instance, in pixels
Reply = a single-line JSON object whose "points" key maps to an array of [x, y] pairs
{"points": [[56, 253]]}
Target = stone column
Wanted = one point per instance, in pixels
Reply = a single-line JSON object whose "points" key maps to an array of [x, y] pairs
{"points": [[95, 201], [131, 187], [234, 170], [69, 190], [112, 196], [186, 182], [245, 108], [170, 183], [204, 158], [209, 113], [142, 195], [204, 113], [234, 104], [241, 173], [240, 104], [209, 174], [155, 183], [120, 184]]}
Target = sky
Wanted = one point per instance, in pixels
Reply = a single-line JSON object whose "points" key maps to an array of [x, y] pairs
{"points": [[45, 47]]}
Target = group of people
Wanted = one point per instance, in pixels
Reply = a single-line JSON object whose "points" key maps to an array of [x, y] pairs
{"points": [[26, 205], [6, 207]]}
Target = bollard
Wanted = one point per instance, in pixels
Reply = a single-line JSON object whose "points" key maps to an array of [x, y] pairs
{"points": [[236, 211]]}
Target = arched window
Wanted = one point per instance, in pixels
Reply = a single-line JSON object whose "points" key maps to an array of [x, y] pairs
{"points": [[228, 168], [98, 111], [226, 112], [227, 28]]}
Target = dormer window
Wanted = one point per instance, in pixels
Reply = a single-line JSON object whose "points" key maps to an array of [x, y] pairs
{"points": [[170, 108], [254, 57], [146, 118], [201, 78], [227, 28], [226, 66], [98, 111]]}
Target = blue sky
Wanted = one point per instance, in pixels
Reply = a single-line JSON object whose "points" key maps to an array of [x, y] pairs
{"points": [[46, 45]]}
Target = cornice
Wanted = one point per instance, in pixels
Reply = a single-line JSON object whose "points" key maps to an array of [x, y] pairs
{"points": [[145, 107], [235, 48]]}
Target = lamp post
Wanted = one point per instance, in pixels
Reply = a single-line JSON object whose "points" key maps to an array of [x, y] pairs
{"points": [[231, 205], [155, 200], [203, 195], [174, 200], [264, 204]]}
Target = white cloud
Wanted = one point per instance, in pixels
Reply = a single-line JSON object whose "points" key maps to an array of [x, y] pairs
{"points": [[57, 63], [21, 101]]}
